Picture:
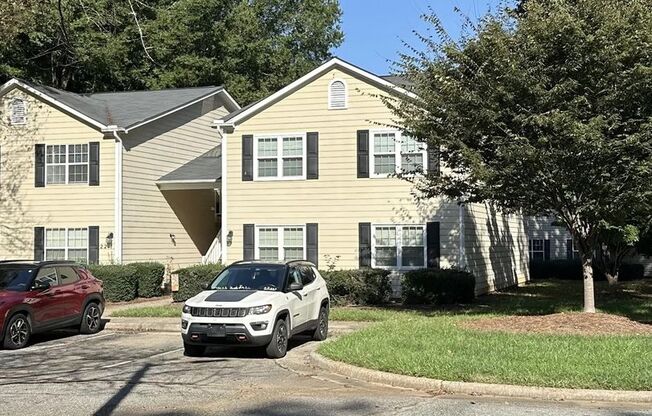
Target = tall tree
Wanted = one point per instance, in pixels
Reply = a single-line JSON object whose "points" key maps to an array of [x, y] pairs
{"points": [[253, 46], [547, 111]]}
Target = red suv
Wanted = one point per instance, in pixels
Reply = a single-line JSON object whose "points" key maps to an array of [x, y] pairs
{"points": [[40, 296]]}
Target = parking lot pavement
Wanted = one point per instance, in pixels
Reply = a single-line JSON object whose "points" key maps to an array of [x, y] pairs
{"points": [[146, 374]]}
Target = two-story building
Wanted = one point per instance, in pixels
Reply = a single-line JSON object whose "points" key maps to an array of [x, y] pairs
{"points": [[308, 172]]}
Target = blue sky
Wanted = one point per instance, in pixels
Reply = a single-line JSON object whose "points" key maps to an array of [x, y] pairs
{"points": [[373, 29]]}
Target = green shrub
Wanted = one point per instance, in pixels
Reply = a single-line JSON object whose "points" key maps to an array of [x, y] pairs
{"points": [[631, 271], [192, 279], [150, 276], [358, 287], [572, 270], [437, 287], [119, 281]]}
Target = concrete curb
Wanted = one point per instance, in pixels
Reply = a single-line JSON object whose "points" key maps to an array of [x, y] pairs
{"points": [[478, 389], [143, 324]]}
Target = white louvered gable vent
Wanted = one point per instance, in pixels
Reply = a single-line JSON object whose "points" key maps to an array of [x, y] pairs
{"points": [[337, 94], [18, 112]]}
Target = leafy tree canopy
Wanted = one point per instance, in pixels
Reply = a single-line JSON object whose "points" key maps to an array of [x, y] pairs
{"points": [[547, 111], [254, 47]]}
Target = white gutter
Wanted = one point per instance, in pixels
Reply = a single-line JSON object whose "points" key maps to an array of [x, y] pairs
{"points": [[461, 261], [224, 232], [117, 208]]}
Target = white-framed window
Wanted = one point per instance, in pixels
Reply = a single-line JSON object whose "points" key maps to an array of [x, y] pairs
{"points": [[66, 244], [398, 246], [280, 156], [571, 250], [280, 242], [18, 112], [536, 249], [337, 95], [66, 164], [393, 152]]}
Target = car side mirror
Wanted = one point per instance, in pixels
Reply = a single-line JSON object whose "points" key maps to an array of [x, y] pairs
{"points": [[294, 286], [41, 286], [205, 286]]}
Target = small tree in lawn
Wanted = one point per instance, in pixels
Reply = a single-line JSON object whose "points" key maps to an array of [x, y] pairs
{"points": [[543, 112]]}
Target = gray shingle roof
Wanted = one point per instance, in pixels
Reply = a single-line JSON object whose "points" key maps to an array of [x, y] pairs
{"points": [[127, 109], [206, 167]]}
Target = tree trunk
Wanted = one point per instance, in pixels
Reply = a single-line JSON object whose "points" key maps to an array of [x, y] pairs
{"points": [[589, 291]]}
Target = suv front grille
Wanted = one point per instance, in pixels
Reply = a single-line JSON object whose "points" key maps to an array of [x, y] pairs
{"points": [[219, 312]]}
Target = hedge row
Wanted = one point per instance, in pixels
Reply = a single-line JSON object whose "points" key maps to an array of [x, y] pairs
{"points": [[572, 270], [437, 287], [358, 287], [125, 282], [192, 280]]}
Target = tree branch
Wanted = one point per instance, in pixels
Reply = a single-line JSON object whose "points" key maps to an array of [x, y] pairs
{"points": [[140, 31]]}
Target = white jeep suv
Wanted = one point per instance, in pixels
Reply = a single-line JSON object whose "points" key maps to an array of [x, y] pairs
{"points": [[254, 303]]}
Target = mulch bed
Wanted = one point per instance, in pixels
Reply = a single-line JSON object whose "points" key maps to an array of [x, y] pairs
{"points": [[563, 323]]}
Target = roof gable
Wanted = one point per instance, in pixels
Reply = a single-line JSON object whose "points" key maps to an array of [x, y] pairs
{"points": [[385, 83]]}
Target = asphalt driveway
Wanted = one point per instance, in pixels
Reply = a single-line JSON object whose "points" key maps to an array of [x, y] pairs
{"points": [[115, 373]]}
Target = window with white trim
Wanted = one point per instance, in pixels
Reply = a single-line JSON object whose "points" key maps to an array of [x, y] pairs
{"points": [[280, 157], [399, 246], [393, 152], [572, 250], [66, 163], [66, 244], [18, 112], [337, 96], [280, 243], [536, 249]]}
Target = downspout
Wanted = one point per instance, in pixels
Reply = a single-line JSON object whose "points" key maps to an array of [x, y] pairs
{"points": [[224, 232], [117, 208], [461, 261]]}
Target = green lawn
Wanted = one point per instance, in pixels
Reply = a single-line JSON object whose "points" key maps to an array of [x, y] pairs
{"points": [[433, 344], [167, 311]]}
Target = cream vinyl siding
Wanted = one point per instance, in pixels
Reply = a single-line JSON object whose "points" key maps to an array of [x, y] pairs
{"points": [[150, 152], [338, 200], [496, 247], [23, 206]]}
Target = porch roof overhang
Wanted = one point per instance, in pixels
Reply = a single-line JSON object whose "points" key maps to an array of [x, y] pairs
{"points": [[204, 172]]}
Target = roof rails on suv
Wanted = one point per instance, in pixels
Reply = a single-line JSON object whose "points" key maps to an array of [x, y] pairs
{"points": [[40, 263], [270, 262]]}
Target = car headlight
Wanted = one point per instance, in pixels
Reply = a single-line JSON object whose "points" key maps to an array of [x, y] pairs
{"points": [[186, 309], [260, 310]]}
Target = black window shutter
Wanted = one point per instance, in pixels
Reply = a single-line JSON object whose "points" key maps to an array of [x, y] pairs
{"points": [[433, 160], [248, 242], [312, 243], [94, 163], [39, 243], [313, 155], [432, 235], [546, 250], [569, 249], [363, 153], [39, 171], [248, 158], [364, 242], [93, 244]]}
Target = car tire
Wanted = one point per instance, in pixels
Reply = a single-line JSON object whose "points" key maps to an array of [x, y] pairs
{"points": [[18, 332], [190, 350], [91, 319], [278, 346], [321, 332]]}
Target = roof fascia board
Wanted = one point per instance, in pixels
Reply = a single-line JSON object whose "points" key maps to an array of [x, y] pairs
{"points": [[308, 78], [16, 83], [179, 108]]}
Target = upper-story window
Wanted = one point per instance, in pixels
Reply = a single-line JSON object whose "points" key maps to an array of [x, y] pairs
{"points": [[280, 157], [66, 163], [337, 95], [18, 112], [392, 152]]}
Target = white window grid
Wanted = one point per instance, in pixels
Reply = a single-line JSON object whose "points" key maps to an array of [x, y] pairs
{"points": [[66, 164], [404, 147], [402, 240], [73, 242], [283, 238], [280, 154], [537, 250], [18, 112], [338, 97], [574, 250]]}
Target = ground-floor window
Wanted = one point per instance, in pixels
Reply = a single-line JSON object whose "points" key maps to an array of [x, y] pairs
{"points": [[571, 250], [66, 244], [536, 249], [398, 246], [280, 243]]}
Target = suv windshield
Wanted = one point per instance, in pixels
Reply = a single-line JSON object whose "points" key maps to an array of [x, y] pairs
{"points": [[15, 278], [251, 277]]}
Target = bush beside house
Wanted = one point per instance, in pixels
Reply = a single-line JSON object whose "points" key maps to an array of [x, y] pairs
{"points": [[437, 287], [572, 270], [125, 282], [358, 287], [150, 277], [192, 279]]}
